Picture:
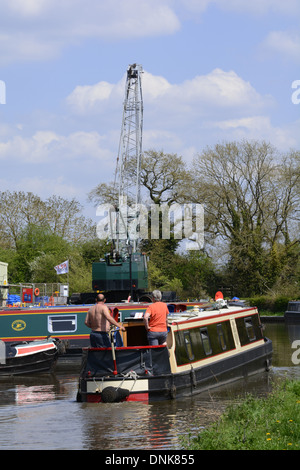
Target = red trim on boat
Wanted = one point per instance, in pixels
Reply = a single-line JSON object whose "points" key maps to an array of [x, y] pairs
{"points": [[96, 397], [118, 348], [24, 350]]}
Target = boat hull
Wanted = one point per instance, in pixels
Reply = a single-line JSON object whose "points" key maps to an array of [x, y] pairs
{"points": [[30, 358], [168, 386]]}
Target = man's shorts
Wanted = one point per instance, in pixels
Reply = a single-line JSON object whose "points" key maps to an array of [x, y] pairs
{"points": [[99, 339], [157, 337]]}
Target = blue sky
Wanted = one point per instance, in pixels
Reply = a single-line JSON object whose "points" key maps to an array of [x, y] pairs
{"points": [[214, 70]]}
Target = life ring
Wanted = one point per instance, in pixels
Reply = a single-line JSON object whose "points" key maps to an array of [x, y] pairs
{"points": [[36, 292]]}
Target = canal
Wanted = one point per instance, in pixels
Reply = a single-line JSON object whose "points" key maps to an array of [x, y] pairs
{"points": [[42, 412]]}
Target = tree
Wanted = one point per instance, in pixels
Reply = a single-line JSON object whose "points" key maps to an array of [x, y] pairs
{"points": [[37, 248], [196, 272], [17, 210], [36, 235], [61, 216], [251, 198], [64, 218], [162, 175]]}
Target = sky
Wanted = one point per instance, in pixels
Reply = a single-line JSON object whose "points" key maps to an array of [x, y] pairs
{"points": [[214, 71]]}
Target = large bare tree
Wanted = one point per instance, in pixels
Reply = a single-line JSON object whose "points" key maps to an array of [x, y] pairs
{"points": [[62, 217], [162, 176], [251, 198]]}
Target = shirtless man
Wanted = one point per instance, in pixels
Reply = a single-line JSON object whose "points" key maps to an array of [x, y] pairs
{"points": [[99, 319]]}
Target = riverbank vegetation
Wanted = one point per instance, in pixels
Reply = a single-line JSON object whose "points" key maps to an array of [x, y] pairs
{"points": [[250, 194], [270, 423]]}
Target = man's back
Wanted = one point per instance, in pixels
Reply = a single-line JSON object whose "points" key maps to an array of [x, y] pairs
{"points": [[97, 318], [158, 316]]}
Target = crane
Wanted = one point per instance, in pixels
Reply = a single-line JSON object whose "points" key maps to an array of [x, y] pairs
{"points": [[130, 150], [125, 272]]}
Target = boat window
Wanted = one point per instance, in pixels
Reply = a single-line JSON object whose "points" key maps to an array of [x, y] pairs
{"points": [[205, 341], [250, 328], [62, 323], [188, 345], [221, 337]]}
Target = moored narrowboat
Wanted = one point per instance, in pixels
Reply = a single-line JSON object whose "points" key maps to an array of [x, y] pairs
{"points": [[66, 322], [292, 313], [204, 349], [28, 357]]}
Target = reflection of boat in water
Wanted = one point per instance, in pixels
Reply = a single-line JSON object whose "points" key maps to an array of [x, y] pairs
{"points": [[204, 349], [28, 357]]}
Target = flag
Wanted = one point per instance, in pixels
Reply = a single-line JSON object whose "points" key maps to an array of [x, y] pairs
{"points": [[62, 268]]}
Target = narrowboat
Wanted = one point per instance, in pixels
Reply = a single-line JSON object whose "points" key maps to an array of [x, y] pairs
{"points": [[205, 347], [65, 322], [28, 357], [292, 313]]}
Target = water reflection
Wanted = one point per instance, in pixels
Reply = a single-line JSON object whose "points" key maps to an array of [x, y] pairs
{"points": [[135, 426], [283, 336], [32, 389], [42, 412]]}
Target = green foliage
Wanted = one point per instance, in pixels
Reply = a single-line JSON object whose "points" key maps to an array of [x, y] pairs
{"points": [[190, 274], [274, 304], [196, 271], [251, 198], [271, 423], [36, 249]]}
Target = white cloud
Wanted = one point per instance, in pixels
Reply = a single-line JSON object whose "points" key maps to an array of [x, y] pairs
{"points": [[87, 98], [176, 115], [218, 89], [28, 9], [35, 30], [35, 149], [284, 43], [256, 7], [260, 7], [41, 29], [178, 118], [260, 128], [45, 187], [49, 147]]}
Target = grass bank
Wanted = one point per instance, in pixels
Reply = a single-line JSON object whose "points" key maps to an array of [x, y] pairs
{"points": [[271, 423]]}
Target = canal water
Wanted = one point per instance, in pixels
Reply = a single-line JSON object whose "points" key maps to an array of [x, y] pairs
{"points": [[42, 413]]}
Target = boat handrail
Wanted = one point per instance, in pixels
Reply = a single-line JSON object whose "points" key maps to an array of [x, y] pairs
{"points": [[185, 314]]}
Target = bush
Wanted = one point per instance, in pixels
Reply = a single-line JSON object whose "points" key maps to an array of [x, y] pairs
{"points": [[271, 304]]}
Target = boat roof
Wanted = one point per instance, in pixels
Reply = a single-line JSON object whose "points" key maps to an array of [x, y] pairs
{"points": [[200, 314]]}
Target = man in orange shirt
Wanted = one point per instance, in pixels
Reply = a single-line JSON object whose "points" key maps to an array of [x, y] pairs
{"points": [[155, 320]]}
